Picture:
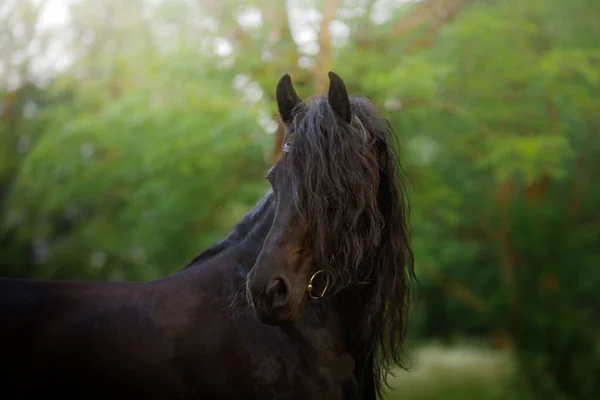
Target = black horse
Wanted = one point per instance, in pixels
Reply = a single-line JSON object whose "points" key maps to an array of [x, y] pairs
{"points": [[305, 299]]}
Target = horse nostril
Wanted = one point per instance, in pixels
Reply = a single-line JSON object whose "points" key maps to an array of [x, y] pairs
{"points": [[277, 292]]}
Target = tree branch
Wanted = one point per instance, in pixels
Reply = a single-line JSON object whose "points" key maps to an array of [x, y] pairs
{"points": [[442, 18], [324, 58], [419, 16], [455, 289], [437, 12], [430, 15]]}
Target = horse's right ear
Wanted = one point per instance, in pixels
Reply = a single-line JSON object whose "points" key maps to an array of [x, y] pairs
{"points": [[338, 97], [287, 99]]}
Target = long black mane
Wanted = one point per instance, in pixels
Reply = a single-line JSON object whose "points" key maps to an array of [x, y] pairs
{"points": [[357, 215]]}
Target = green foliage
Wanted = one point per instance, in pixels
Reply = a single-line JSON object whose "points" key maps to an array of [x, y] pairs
{"points": [[128, 179]]}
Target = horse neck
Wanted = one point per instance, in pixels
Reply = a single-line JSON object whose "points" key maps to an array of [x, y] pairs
{"points": [[246, 241], [352, 305], [244, 244]]}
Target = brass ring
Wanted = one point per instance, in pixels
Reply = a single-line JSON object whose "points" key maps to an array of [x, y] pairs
{"points": [[310, 287]]}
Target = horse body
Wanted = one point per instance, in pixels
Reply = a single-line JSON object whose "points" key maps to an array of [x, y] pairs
{"points": [[305, 298], [82, 338], [165, 339]]}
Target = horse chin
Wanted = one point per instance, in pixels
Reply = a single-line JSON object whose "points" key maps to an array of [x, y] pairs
{"points": [[281, 317]]}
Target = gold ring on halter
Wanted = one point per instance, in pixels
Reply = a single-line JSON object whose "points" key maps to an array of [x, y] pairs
{"points": [[310, 286]]}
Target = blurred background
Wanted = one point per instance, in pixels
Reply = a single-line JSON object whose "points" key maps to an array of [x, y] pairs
{"points": [[135, 133]]}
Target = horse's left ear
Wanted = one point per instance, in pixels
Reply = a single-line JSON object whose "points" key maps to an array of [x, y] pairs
{"points": [[338, 97]]}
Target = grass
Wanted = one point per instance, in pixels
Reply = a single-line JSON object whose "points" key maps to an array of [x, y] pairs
{"points": [[464, 372], [455, 391]]}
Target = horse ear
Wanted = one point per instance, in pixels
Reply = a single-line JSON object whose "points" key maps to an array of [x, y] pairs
{"points": [[338, 97], [287, 99]]}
